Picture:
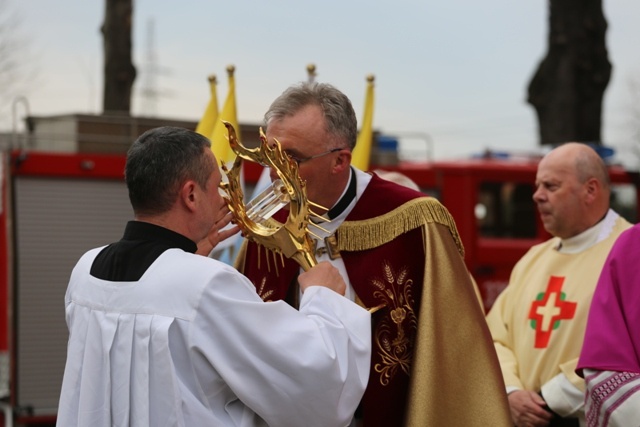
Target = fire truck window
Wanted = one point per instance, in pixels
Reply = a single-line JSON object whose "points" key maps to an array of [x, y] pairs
{"points": [[506, 209], [623, 201]]}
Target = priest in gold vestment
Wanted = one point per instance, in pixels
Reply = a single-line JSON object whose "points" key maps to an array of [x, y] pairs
{"points": [[538, 322]]}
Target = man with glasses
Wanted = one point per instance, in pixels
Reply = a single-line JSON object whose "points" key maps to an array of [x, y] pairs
{"points": [[400, 254]]}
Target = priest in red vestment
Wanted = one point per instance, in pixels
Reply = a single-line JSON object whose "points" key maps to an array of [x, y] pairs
{"points": [[433, 361]]}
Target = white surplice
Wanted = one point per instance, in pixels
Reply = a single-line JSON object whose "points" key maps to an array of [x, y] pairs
{"points": [[191, 344]]}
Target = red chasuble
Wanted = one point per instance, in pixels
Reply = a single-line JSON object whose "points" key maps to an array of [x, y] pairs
{"points": [[433, 361]]}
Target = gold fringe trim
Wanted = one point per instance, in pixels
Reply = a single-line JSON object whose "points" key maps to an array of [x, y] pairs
{"points": [[374, 232]]}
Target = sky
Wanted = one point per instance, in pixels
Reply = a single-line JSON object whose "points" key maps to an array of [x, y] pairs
{"points": [[451, 76]]}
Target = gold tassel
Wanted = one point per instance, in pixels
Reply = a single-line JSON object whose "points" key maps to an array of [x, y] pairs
{"points": [[374, 232]]}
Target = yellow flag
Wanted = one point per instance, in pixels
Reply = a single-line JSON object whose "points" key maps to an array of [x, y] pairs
{"points": [[208, 121], [220, 138], [362, 152]]}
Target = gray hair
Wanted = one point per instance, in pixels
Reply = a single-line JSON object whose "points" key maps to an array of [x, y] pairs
{"points": [[340, 118], [158, 164]]}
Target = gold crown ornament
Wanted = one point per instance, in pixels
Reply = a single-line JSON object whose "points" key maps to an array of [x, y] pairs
{"points": [[291, 239]]}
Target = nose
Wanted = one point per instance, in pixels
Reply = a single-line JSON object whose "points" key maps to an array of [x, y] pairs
{"points": [[538, 195]]}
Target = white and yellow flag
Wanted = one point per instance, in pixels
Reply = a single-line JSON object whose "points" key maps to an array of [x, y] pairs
{"points": [[225, 251], [208, 120], [220, 137], [362, 152]]}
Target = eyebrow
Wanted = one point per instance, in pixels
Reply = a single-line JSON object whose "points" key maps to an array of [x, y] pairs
{"points": [[293, 152]]}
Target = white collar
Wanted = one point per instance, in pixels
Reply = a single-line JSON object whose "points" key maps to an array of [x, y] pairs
{"points": [[589, 237]]}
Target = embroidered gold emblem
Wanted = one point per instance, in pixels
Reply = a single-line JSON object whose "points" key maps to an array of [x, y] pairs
{"points": [[330, 248], [262, 293], [393, 344]]}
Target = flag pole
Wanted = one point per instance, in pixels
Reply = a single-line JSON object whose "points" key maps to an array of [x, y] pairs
{"points": [[311, 73]]}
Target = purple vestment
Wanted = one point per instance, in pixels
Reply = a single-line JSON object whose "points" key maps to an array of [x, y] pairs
{"points": [[612, 338]]}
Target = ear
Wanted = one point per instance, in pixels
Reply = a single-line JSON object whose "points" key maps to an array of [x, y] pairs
{"points": [[342, 161], [592, 188], [188, 195]]}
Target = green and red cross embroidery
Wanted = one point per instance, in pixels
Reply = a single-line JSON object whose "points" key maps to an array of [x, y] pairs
{"points": [[549, 309]]}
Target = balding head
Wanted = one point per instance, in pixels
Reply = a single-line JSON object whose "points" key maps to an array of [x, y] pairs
{"points": [[584, 161], [572, 192]]}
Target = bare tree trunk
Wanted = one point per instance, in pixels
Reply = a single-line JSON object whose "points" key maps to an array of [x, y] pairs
{"points": [[569, 85], [119, 71]]}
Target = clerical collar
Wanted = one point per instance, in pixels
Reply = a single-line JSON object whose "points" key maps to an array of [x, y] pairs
{"points": [[600, 231], [142, 244], [346, 198], [146, 231]]}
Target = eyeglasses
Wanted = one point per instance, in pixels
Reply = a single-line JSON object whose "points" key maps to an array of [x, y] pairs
{"points": [[299, 160]]}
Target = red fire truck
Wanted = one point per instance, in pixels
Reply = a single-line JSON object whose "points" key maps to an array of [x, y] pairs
{"points": [[53, 207]]}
